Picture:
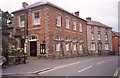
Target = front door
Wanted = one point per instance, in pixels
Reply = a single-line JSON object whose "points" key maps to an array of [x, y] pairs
{"points": [[33, 48]]}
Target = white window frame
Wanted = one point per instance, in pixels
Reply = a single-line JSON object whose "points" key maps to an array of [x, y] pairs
{"points": [[80, 27], [74, 25], [67, 23], [81, 47], [74, 47], [21, 22], [58, 45], [67, 46], [93, 46], [92, 36], [92, 28], [36, 20], [99, 36], [58, 20], [106, 46], [106, 37]]}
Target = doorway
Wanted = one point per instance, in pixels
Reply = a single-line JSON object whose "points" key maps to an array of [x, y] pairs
{"points": [[33, 48]]}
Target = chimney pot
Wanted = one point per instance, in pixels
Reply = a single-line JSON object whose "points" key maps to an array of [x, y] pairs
{"points": [[77, 13], [88, 18], [24, 4]]}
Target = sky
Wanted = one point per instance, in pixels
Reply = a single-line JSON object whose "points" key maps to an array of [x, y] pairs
{"points": [[104, 11]]}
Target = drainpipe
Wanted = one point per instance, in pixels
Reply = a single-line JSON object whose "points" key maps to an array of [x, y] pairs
{"points": [[86, 39]]}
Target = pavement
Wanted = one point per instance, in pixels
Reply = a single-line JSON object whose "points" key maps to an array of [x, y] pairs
{"points": [[35, 65]]}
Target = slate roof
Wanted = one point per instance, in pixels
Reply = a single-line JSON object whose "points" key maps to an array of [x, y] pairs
{"points": [[40, 3], [116, 33], [96, 23]]}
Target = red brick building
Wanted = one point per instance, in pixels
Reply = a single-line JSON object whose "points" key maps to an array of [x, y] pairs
{"points": [[115, 42], [52, 31]]}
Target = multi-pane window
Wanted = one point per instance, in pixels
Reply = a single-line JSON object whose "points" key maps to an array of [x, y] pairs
{"points": [[80, 27], [106, 37], [106, 46], [99, 29], [99, 46], [67, 23], [74, 25], [99, 36], [67, 46], [92, 46], [36, 18], [106, 30], [21, 20], [81, 47], [67, 39], [74, 44], [92, 28], [58, 20], [74, 47], [58, 46], [92, 36]]}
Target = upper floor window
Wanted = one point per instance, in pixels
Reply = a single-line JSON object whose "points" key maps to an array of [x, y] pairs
{"points": [[36, 18], [92, 36], [67, 23], [21, 20], [80, 27], [106, 30], [106, 37], [92, 28], [92, 46], [58, 20], [99, 29], [106, 46], [74, 25], [99, 36]]}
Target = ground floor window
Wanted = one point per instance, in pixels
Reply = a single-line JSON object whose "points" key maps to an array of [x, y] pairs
{"points": [[81, 47], [67, 46], [99, 46], [106, 46], [58, 46], [42, 49], [92, 46], [74, 47]]}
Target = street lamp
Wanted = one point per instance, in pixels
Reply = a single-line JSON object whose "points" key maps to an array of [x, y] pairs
{"points": [[25, 33]]}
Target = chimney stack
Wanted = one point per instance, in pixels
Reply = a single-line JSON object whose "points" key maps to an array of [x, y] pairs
{"points": [[77, 13], [88, 18], [24, 4]]}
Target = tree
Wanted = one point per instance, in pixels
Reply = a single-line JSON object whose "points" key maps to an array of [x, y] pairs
{"points": [[6, 18]]}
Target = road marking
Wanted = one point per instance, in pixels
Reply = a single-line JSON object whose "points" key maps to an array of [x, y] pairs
{"points": [[85, 68], [100, 62], [115, 75], [59, 67], [63, 66]]}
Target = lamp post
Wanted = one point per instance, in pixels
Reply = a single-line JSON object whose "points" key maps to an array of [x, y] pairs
{"points": [[25, 33]]}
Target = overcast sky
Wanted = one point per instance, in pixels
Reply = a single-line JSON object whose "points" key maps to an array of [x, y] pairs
{"points": [[104, 11]]}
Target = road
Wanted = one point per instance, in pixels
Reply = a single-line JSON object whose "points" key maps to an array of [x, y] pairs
{"points": [[86, 66], [104, 66]]}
